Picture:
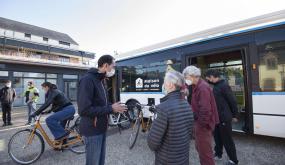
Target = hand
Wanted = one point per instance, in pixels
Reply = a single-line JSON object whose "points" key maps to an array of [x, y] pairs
{"points": [[235, 120], [119, 108]]}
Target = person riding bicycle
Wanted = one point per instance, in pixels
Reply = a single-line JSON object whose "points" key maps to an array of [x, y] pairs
{"points": [[62, 108]]}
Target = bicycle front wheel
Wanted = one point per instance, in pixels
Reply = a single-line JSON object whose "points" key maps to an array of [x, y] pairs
{"points": [[135, 128], [25, 147]]}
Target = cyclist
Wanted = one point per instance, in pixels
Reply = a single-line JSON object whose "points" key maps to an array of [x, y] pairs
{"points": [[62, 108]]}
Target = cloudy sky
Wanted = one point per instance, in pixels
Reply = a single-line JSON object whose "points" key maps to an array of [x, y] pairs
{"points": [[105, 26]]}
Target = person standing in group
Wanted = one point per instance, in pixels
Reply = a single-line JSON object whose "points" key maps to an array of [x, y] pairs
{"points": [[94, 108], [205, 114], [170, 133], [228, 111], [7, 97], [31, 95]]}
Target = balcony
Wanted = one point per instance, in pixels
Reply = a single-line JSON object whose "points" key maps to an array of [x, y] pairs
{"points": [[45, 59]]}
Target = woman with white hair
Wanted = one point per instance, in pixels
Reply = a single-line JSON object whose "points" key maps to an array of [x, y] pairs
{"points": [[169, 136], [205, 114]]}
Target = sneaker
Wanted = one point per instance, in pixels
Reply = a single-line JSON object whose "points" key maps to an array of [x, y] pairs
{"points": [[218, 157], [4, 124], [231, 163], [28, 123], [10, 123]]}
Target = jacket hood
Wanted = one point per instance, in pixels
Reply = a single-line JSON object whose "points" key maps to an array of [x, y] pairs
{"points": [[95, 72]]}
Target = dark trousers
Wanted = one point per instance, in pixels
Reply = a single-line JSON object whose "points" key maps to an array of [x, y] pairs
{"points": [[6, 112], [223, 138]]}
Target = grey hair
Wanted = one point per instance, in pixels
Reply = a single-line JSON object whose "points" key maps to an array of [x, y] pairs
{"points": [[177, 79], [192, 71]]}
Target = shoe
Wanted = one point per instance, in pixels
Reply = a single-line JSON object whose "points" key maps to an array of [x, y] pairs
{"points": [[28, 123], [10, 123], [231, 163], [218, 157], [4, 124]]}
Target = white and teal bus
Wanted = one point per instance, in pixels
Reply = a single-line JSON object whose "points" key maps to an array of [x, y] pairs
{"points": [[250, 54]]}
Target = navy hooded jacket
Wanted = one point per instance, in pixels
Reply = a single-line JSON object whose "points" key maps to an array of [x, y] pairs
{"points": [[93, 105]]}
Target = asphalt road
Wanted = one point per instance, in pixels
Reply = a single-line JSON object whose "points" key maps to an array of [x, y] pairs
{"points": [[251, 150]]}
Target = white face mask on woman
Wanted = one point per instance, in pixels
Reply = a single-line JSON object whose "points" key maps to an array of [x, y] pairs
{"points": [[111, 73], [188, 82]]}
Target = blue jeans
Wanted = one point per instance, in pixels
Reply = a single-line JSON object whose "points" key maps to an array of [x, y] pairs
{"points": [[31, 109], [95, 149], [56, 121]]}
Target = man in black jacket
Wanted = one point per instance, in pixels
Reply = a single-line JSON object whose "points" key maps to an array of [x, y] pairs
{"points": [[228, 110], [94, 108], [7, 96]]}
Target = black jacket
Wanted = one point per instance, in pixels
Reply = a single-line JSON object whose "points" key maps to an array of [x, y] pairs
{"points": [[7, 95], [57, 99], [170, 133], [225, 100], [93, 105]]}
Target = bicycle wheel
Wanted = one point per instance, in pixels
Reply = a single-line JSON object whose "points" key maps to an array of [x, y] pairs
{"points": [[79, 147], [134, 132], [22, 152], [124, 121]]}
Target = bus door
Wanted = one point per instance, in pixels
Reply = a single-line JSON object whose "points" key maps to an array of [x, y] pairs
{"points": [[232, 66]]}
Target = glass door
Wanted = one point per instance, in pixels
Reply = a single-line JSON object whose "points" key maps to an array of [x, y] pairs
{"points": [[70, 90], [231, 66]]}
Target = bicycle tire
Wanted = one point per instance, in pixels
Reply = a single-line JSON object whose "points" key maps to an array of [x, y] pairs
{"points": [[124, 124], [17, 160], [132, 142], [81, 146]]}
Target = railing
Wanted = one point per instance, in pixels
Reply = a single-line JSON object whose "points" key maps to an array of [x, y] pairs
{"points": [[30, 58]]}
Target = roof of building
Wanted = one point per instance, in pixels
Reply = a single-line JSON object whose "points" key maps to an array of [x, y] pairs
{"points": [[34, 30]]}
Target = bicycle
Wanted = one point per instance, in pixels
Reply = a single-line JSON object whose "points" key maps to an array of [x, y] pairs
{"points": [[121, 120], [140, 120], [26, 146]]}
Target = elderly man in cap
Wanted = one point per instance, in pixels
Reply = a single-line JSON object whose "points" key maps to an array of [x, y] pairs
{"points": [[205, 114]]}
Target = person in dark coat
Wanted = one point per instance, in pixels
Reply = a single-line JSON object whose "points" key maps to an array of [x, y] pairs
{"points": [[7, 97], [228, 112], [94, 109], [170, 134], [62, 108], [205, 114]]}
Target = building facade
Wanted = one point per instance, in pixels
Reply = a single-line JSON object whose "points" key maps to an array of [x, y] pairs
{"points": [[31, 53]]}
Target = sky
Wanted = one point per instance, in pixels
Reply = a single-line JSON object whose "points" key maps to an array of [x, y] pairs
{"points": [[105, 26]]}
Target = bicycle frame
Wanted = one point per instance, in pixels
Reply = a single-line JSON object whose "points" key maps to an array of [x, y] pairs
{"points": [[52, 143]]}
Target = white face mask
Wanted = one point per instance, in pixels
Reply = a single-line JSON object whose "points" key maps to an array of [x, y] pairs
{"points": [[111, 73], [188, 82], [8, 85]]}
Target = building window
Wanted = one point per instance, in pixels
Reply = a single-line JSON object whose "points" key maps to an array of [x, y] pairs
{"points": [[4, 73], [272, 66], [45, 39], [52, 76], [64, 43], [70, 76], [28, 35], [29, 74]]}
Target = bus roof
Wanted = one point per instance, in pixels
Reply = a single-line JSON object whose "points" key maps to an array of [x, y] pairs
{"points": [[251, 24]]}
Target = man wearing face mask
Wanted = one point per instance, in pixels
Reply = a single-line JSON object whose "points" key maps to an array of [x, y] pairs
{"points": [[31, 95], [94, 108], [7, 97], [205, 114], [228, 111]]}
